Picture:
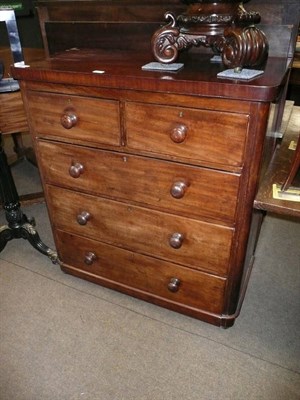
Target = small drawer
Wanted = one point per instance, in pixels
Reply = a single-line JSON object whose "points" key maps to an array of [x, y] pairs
{"points": [[125, 270], [190, 134], [185, 241], [177, 188], [75, 118]]}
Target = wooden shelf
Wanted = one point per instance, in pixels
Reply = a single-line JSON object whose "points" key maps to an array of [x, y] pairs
{"points": [[278, 171]]}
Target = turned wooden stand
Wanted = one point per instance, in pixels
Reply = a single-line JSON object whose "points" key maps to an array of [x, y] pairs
{"points": [[224, 26]]}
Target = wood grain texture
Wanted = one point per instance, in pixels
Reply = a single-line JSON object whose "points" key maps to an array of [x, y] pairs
{"points": [[123, 71], [101, 23], [211, 136], [121, 195], [97, 120], [210, 194], [142, 275], [12, 114], [205, 246]]}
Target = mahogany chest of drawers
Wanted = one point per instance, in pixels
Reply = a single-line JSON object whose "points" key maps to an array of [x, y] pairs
{"points": [[150, 177]]}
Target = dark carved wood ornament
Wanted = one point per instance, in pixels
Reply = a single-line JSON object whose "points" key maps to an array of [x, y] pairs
{"points": [[224, 26]]}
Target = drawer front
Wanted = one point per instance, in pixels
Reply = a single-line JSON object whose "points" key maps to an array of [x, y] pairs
{"points": [[146, 274], [178, 239], [200, 135], [75, 118], [185, 190]]}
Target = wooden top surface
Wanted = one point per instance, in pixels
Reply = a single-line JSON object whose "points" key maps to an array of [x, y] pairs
{"points": [[30, 54], [123, 70]]}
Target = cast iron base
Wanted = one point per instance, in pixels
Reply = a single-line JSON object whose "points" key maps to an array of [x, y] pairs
{"points": [[18, 225]]}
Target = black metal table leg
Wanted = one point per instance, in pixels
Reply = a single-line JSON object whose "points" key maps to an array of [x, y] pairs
{"points": [[18, 225]]}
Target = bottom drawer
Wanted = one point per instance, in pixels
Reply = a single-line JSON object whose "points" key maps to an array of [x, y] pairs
{"points": [[140, 275]]}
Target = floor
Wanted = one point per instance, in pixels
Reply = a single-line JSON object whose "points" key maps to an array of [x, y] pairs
{"points": [[62, 338]]}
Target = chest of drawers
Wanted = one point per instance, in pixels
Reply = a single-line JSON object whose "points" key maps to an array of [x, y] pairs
{"points": [[150, 178]]}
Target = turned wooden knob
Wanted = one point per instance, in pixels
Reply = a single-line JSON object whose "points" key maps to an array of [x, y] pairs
{"points": [[176, 240], [174, 284], [89, 258], [69, 119], [178, 189], [179, 133], [76, 170], [83, 218]]}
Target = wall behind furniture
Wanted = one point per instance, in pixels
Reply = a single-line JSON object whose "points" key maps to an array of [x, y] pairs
{"points": [[283, 12]]}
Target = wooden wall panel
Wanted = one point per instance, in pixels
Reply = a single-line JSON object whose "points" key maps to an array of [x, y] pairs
{"points": [[138, 20]]}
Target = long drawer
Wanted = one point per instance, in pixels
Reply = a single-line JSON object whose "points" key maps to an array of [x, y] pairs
{"points": [[120, 268], [185, 133], [178, 239], [181, 189], [75, 117]]}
